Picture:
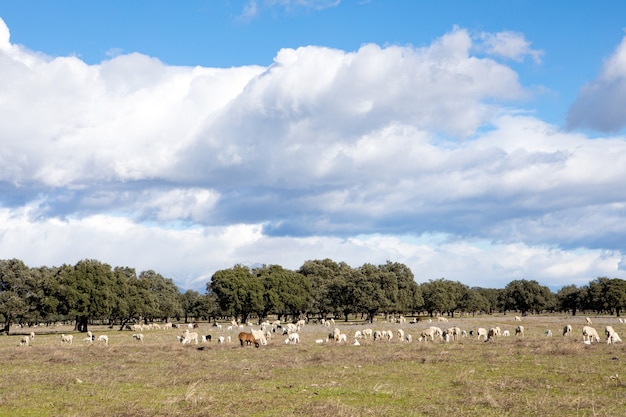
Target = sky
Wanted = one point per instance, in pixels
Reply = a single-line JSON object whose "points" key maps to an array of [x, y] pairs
{"points": [[481, 142]]}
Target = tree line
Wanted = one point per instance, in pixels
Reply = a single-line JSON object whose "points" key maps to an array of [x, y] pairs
{"points": [[92, 291]]}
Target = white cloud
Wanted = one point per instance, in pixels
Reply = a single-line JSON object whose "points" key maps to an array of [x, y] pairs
{"points": [[600, 104], [510, 45], [325, 153]]}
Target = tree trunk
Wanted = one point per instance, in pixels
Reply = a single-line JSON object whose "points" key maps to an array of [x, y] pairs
{"points": [[7, 327], [81, 324]]}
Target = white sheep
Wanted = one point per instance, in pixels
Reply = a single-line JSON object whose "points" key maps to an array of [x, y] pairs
{"points": [[259, 336], [400, 333], [342, 337], [189, 337], [221, 339], [588, 320], [519, 330], [67, 339], [506, 333], [138, 337], [24, 341], [608, 330], [104, 338], [518, 318], [548, 333], [356, 343], [442, 319], [482, 332], [292, 339], [590, 334], [613, 338], [567, 330], [409, 338], [492, 333], [336, 333], [367, 333], [358, 334], [32, 335], [88, 339], [319, 341]]}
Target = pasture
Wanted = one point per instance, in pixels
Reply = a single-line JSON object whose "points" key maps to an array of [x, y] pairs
{"points": [[534, 375]]}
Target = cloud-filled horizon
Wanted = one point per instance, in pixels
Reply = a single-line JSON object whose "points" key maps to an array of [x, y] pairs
{"points": [[427, 155]]}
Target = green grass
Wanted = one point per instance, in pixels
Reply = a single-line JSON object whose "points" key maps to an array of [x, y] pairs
{"points": [[530, 376]]}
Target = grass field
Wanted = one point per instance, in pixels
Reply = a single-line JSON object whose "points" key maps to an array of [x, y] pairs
{"points": [[511, 376]]}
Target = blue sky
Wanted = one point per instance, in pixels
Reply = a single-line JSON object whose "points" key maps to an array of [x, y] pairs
{"points": [[477, 141]]}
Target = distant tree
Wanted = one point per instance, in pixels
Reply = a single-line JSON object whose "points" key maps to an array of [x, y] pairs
{"points": [[473, 301], [86, 291], [527, 296], [408, 296], [571, 298], [133, 299], [191, 306], [492, 295], [285, 292], [238, 292], [608, 295], [442, 295], [16, 287], [322, 275], [166, 294]]}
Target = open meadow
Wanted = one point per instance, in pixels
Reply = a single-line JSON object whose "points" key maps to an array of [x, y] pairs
{"points": [[533, 375]]}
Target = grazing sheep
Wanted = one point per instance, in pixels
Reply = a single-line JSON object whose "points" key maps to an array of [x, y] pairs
{"points": [[247, 339], [356, 343], [442, 319], [319, 341], [189, 337], [67, 339], [454, 332], [588, 320], [608, 330], [482, 332], [368, 333], [400, 333], [221, 339], [206, 338], [613, 338], [343, 337], [590, 334], [519, 330], [336, 333], [358, 335], [548, 333], [425, 334], [25, 341], [32, 335], [518, 318], [259, 335], [432, 332], [567, 330], [409, 338], [88, 339], [378, 335], [492, 333], [138, 337], [506, 333], [104, 338], [292, 339]]}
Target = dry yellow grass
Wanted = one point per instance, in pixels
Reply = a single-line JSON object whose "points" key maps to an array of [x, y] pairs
{"points": [[512, 376]]}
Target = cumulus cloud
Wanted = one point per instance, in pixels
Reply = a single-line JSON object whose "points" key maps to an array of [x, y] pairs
{"points": [[359, 156], [600, 104], [510, 45]]}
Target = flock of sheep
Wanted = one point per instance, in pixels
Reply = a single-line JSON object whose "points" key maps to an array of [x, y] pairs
{"points": [[266, 331]]}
